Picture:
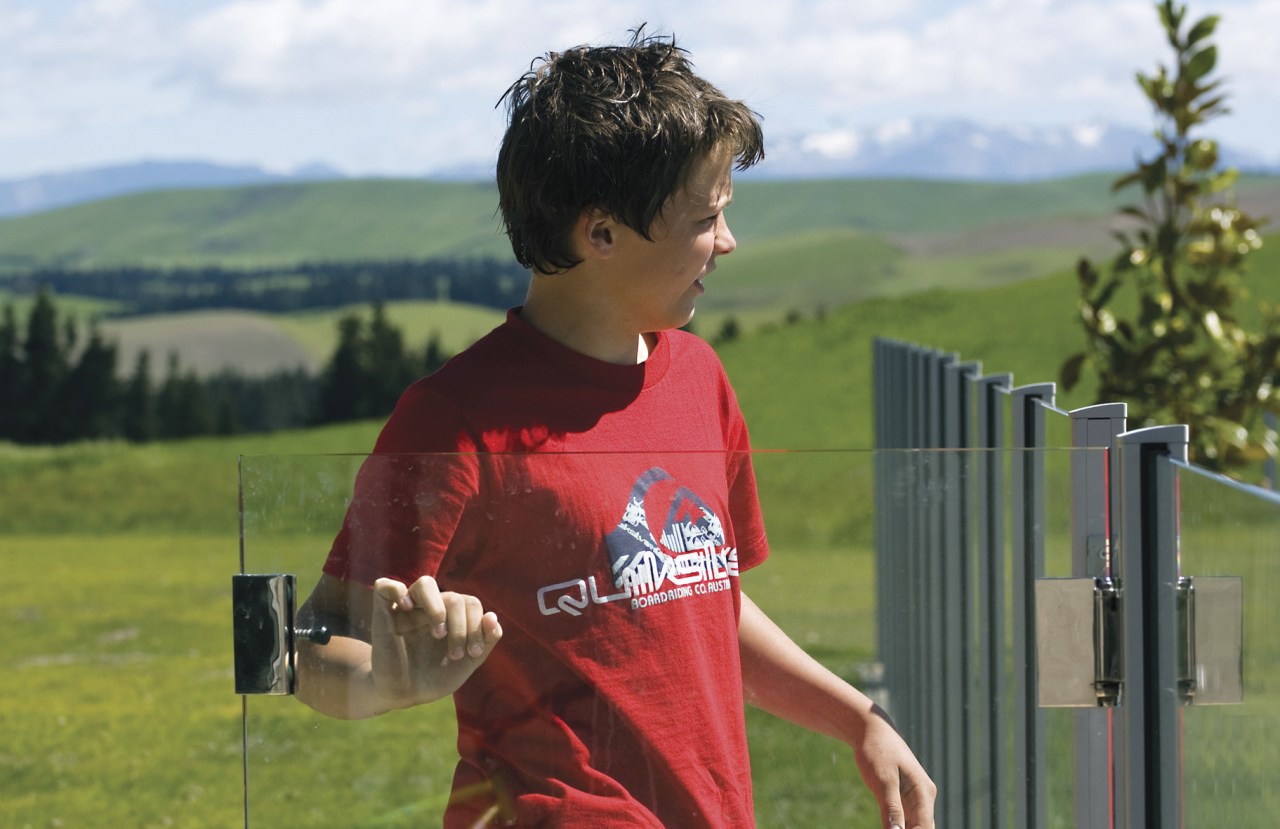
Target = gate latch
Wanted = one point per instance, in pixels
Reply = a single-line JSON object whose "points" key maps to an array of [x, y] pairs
{"points": [[264, 636]]}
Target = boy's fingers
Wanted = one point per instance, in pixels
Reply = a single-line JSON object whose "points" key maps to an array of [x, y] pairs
{"points": [[462, 623], [491, 628], [894, 817], [913, 800], [426, 596], [921, 799], [390, 590]]}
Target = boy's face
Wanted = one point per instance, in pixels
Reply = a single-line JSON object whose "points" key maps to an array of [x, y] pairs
{"points": [[664, 277]]}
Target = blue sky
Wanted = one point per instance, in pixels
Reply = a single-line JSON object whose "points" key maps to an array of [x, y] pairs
{"points": [[406, 87]]}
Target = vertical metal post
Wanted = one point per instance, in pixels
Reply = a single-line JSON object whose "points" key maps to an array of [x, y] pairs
{"points": [[881, 356], [957, 582], [936, 676], [1147, 742], [1028, 564], [915, 547], [1093, 427], [989, 731], [892, 522]]}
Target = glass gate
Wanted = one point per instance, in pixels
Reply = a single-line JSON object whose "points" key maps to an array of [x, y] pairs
{"points": [[819, 584]]}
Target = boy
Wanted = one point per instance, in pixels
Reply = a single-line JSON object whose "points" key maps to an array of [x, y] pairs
{"points": [[553, 524]]}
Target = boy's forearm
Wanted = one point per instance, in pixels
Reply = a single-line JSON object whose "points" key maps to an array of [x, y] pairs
{"points": [[779, 677], [336, 680]]}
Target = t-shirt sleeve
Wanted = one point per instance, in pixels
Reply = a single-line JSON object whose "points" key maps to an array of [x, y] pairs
{"points": [[744, 500], [411, 495]]}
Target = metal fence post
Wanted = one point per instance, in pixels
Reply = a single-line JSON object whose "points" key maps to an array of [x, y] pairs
{"points": [[1147, 741], [1027, 506], [989, 727], [957, 584], [1092, 427], [935, 532]]}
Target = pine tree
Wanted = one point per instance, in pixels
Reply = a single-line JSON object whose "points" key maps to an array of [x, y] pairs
{"points": [[182, 408], [434, 356], [45, 368], [91, 395], [342, 387], [138, 413], [10, 373], [390, 369]]}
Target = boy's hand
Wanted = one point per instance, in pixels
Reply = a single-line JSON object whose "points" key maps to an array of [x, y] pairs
{"points": [[426, 642], [892, 773]]}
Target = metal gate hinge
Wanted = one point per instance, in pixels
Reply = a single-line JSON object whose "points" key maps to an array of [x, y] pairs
{"points": [[1079, 641]]}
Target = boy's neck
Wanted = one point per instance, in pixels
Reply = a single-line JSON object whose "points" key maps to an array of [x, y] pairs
{"points": [[586, 327]]}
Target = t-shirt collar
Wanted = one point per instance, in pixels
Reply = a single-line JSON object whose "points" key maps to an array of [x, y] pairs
{"points": [[589, 369]]}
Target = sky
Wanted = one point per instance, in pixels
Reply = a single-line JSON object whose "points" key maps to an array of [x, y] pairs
{"points": [[409, 87]]}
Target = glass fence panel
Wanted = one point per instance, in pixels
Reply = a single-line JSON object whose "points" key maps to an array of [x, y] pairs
{"points": [[1231, 752], [935, 507], [1062, 764], [846, 530]]}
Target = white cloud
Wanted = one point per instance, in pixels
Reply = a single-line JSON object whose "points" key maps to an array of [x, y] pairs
{"points": [[419, 78], [833, 144], [1088, 135]]}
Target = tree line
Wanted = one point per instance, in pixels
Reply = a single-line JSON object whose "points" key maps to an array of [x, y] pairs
{"points": [[138, 290], [59, 383]]}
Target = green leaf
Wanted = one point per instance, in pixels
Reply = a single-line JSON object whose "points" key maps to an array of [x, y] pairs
{"points": [[1202, 29], [1086, 273], [1223, 180], [1201, 63], [1069, 376], [1153, 175], [1125, 180]]}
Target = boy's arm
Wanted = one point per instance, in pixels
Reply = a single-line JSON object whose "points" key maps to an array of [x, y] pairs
{"points": [[779, 677], [392, 647]]}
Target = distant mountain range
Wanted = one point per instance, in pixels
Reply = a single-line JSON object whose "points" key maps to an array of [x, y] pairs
{"points": [[61, 189], [911, 148], [960, 149]]}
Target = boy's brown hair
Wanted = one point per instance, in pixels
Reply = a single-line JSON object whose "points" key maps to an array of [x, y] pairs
{"points": [[617, 128]]}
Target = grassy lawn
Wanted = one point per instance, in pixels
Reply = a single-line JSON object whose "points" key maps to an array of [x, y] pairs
{"points": [[119, 705]]}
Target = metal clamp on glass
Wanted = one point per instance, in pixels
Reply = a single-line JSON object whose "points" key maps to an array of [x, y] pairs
{"points": [[1107, 643], [1211, 640], [264, 636], [1078, 643], [1079, 652]]}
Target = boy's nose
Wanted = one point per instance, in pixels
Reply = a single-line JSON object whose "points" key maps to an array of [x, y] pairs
{"points": [[725, 243]]}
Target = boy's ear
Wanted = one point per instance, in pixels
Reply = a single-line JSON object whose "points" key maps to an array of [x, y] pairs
{"points": [[596, 232]]}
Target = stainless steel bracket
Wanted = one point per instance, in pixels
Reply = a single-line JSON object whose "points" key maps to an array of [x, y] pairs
{"points": [[1079, 643], [264, 635]]}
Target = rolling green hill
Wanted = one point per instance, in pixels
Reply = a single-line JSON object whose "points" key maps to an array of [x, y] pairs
{"points": [[250, 226], [805, 247], [389, 219]]}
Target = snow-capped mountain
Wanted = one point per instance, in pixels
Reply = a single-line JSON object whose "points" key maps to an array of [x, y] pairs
{"points": [[961, 149]]}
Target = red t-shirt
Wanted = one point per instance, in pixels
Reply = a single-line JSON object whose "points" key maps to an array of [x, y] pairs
{"points": [[604, 513]]}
